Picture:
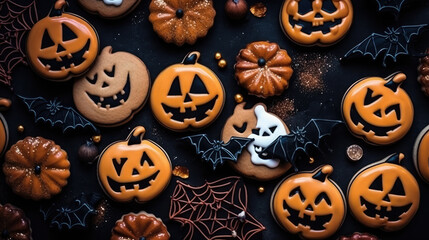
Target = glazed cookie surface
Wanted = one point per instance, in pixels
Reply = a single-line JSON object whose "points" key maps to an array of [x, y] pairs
{"points": [[309, 204], [263, 68], [14, 225], [421, 154], [62, 45], [264, 128], [109, 8], [423, 70], [187, 96], [36, 168], [4, 134], [134, 168], [140, 226], [384, 195], [378, 110], [181, 21], [113, 90], [318, 22]]}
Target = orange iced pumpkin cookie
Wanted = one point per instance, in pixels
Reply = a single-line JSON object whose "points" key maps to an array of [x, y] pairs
{"points": [[181, 21], [263, 68]]}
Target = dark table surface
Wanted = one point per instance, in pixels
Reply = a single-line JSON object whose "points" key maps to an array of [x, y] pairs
{"points": [[134, 34]]}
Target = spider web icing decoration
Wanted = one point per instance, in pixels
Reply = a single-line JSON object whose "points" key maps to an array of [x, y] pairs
{"points": [[15, 20], [217, 210]]}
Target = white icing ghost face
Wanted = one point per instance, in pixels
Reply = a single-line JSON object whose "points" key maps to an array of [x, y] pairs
{"points": [[113, 2], [268, 128]]}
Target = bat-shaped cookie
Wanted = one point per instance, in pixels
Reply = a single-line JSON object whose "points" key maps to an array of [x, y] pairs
{"points": [[300, 140], [217, 152], [394, 42]]}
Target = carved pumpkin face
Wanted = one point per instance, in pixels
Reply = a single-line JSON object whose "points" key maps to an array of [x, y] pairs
{"points": [[134, 169], [309, 204], [61, 46], [384, 195], [114, 89], [187, 95], [378, 110], [316, 22]]}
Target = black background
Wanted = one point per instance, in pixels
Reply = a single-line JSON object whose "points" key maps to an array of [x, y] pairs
{"points": [[134, 34]]}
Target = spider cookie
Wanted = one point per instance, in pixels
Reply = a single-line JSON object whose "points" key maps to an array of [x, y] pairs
{"points": [[181, 21], [134, 168], [140, 226], [421, 154], [263, 68], [309, 204], [378, 110], [187, 96], [109, 8], [321, 23], [264, 127], [62, 45], [113, 90], [384, 195]]}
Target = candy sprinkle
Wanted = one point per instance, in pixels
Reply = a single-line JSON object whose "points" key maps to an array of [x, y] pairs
{"points": [[180, 171]]}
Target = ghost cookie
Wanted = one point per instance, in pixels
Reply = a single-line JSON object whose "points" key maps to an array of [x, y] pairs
{"points": [[140, 226], [421, 154], [378, 110], [384, 195], [114, 90], [264, 128], [309, 204], [321, 23], [109, 8], [187, 96], [134, 169]]}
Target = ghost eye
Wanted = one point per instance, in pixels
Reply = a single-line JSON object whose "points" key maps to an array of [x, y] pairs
{"points": [[322, 196], [256, 131], [296, 191], [272, 129]]}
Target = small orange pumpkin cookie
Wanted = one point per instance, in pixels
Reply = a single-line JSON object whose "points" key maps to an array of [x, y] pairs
{"points": [[134, 168], [421, 154], [318, 22], [263, 68], [187, 96], [109, 8], [62, 45], [14, 225], [378, 110], [36, 168], [423, 69], [181, 21], [384, 195], [309, 204], [140, 226]]}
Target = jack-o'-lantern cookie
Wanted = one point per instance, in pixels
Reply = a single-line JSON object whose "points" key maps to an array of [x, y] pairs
{"points": [[421, 154], [318, 22], [62, 45], [109, 8], [378, 110], [140, 226], [309, 204], [134, 168], [187, 96], [113, 90], [181, 21], [264, 128], [384, 195], [263, 68]]}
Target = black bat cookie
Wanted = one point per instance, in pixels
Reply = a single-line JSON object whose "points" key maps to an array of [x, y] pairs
{"points": [[300, 140], [394, 42], [216, 151]]}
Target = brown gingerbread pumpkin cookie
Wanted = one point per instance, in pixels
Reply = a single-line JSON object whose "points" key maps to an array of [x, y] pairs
{"points": [[181, 21], [424, 73], [109, 8], [14, 225], [36, 168], [263, 68], [140, 226]]}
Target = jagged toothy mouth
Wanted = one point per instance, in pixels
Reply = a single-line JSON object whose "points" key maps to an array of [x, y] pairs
{"points": [[308, 28], [317, 224], [113, 101], [66, 61], [199, 114], [379, 131], [391, 215], [140, 185]]}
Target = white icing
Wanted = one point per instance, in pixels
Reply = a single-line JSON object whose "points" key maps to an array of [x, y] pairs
{"points": [[264, 122], [113, 2]]}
